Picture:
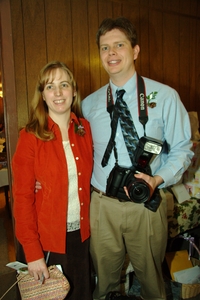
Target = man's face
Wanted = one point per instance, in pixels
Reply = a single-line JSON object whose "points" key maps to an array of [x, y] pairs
{"points": [[117, 56]]}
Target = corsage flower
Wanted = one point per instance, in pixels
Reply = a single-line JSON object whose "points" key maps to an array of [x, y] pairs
{"points": [[151, 97], [79, 129]]}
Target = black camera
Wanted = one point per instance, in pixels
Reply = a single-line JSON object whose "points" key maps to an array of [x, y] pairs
{"points": [[138, 189]]}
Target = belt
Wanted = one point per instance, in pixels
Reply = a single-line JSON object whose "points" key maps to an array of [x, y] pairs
{"points": [[98, 191], [104, 194]]}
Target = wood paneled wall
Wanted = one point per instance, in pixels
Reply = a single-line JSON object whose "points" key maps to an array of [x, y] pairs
{"points": [[45, 30]]}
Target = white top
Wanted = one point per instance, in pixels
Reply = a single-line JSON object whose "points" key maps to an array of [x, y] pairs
{"points": [[73, 214]]}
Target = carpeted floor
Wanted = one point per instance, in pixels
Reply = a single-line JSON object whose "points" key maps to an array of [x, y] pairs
{"points": [[173, 290], [3, 248]]}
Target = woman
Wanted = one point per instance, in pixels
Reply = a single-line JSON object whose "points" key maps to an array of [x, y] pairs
{"points": [[55, 148]]}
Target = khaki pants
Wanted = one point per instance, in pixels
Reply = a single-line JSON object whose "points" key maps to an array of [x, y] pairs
{"points": [[120, 227]]}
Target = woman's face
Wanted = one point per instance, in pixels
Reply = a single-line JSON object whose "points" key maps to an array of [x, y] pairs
{"points": [[58, 93]]}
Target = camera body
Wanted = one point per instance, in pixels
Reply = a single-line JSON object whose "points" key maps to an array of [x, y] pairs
{"points": [[138, 189]]}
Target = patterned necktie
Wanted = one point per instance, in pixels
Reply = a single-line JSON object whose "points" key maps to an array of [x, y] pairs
{"points": [[122, 113], [128, 128]]}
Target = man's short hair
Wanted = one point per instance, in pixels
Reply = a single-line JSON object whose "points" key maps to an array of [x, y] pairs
{"points": [[120, 23]]}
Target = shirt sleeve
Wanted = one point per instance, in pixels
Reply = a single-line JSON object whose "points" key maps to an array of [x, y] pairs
{"points": [[24, 196], [177, 135]]}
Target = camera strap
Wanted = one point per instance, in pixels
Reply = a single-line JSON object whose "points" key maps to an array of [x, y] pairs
{"points": [[142, 114], [114, 116], [142, 103], [143, 118]]}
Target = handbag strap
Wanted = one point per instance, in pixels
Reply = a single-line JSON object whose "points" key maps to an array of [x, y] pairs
{"points": [[18, 279]]}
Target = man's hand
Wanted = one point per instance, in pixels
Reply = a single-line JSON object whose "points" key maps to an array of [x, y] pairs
{"points": [[38, 269], [152, 182], [37, 186]]}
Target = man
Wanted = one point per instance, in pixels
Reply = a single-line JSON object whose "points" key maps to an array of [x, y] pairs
{"points": [[119, 226]]}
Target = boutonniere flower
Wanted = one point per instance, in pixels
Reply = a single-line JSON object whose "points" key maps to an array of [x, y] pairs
{"points": [[151, 97], [79, 129]]}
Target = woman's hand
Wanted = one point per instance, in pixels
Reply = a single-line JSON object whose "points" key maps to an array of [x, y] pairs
{"points": [[38, 268]]}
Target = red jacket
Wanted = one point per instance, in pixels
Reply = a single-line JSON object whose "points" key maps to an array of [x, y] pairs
{"points": [[40, 218]]}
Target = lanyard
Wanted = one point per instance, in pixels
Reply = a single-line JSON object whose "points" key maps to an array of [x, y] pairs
{"points": [[142, 103]]}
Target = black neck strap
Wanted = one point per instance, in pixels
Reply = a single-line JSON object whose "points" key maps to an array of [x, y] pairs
{"points": [[142, 103]]}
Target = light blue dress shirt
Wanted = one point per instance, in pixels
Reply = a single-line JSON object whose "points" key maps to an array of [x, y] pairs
{"points": [[167, 121]]}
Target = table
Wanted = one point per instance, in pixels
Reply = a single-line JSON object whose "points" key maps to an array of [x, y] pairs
{"points": [[5, 183]]}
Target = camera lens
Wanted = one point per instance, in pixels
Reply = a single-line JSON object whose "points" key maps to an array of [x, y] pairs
{"points": [[138, 191]]}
